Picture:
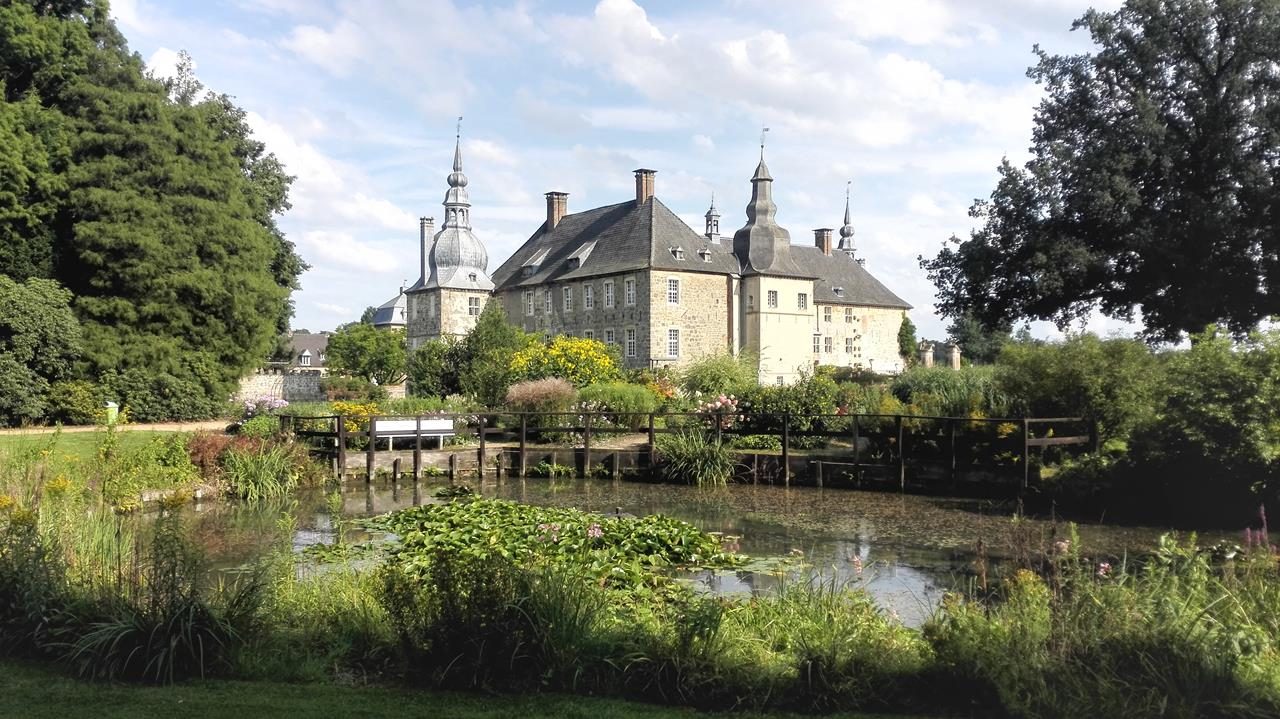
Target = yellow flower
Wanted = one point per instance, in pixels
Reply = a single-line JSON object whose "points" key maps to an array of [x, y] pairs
{"points": [[58, 486], [7, 502]]}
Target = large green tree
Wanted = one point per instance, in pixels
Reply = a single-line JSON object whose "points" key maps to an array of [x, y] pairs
{"points": [[39, 340], [980, 344], [153, 206], [1154, 182], [360, 350]]}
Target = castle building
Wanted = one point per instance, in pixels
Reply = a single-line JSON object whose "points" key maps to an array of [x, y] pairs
{"points": [[635, 276], [454, 285]]}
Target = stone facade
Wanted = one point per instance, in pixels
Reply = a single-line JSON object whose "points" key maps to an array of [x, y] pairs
{"points": [[289, 386], [437, 313]]}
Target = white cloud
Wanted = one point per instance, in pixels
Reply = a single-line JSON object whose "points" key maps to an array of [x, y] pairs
{"points": [[634, 119], [342, 253], [332, 309], [163, 63], [704, 143], [335, 50]]}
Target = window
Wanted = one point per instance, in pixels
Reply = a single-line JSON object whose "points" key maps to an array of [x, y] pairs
{"points": [[826, 344], [817, 341], [568, 299], [773, 299], [528, 302], [305, 358], [546, 300], [779, 380], [473, 306], [673, 342], [848, 315], [826, 314], [705, 254], [673, 291], [472, 277], [631, 342], [609, 338], [802, 301], [589, 334], [751, 302], [848, 345], [588, 297], [629, 292], [608, 294], [677, 252]]}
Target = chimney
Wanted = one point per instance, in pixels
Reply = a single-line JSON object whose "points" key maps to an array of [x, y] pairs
{"points": [[426, 231], [557, 208], [822, 239], [644, 185]]}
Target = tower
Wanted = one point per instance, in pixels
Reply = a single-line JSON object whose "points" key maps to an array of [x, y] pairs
{"points": [[455, 285], [713, 221]]}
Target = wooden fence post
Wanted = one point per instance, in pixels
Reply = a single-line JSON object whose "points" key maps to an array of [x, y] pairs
{"points": [[652, 440], [586, 444], [524, 420], [902, 457], [1026, 452], [342, 446], [395, 470], [483, 454], [417, 448], [368, 457], [453, 466], [719, 420], [786, 448], [951, 430], [286, 424], [857, 452]]}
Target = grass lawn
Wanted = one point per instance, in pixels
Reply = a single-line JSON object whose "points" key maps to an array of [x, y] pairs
{"points": [[35, 692], [83, 445]]}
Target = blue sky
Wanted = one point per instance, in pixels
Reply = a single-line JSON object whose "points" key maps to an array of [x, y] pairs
{"points": [[915, 101]]}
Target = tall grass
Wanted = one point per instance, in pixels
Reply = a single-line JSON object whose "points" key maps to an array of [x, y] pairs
{"points": [[267, 471], [941, 391], [693, 458]]}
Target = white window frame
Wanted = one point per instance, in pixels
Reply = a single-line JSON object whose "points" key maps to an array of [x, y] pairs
{"points": [[673, 342], [826, 314], [802, 301], [817, 343], [589, 334], [473, 307], [610, 337], [528, 303], [828, 344], [673, 291], [547, 303], [773, 299], [588, 297], [608, 294], [848, 315], [779, 380], [848, 345], [566, 302], [304, 359], [631, 342], [629, 292]]}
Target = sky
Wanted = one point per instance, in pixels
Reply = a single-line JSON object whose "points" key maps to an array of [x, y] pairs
{"points": [[913, 102]]}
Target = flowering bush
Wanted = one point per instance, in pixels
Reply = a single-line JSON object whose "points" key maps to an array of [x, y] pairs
{"points": [[722, 410], [255, 406], [579, 360], [551, 394]]}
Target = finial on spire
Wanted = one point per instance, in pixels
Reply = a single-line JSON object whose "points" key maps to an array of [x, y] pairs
{"points": [[762, 132], [459, 134]]}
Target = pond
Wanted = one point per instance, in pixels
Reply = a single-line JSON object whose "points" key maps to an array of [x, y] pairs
{"points": [[906, 550]]}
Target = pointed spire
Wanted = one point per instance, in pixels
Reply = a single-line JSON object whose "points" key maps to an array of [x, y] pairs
{"points": [[457, 178], [846, 231], [713, 221]]}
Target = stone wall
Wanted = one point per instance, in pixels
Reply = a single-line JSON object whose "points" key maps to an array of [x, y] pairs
{"points": [[874, 331], [289, 386], [701, 316], [781, 337], [438, 312]]}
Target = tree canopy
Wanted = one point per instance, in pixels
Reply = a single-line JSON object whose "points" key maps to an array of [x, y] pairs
{"points": [[150, 203], [1154, 183], [362, 350]]}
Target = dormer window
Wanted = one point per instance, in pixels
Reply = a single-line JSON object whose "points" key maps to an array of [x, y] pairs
{"points": [[472, 277], [574, 263], [705, 254], [527, 270], [304, 359], [839, 291], [677, 252]]}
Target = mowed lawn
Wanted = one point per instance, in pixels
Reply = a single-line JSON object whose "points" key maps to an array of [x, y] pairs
{"points": [[35, 692], [82, 445]]}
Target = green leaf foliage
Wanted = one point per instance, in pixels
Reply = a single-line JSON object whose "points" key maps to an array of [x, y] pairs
{"points": [[1152, 185], [364, 351], [155, 210]]}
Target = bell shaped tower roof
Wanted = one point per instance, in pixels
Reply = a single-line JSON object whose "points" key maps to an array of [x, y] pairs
{"points": [[762, 247], [458, 260]]}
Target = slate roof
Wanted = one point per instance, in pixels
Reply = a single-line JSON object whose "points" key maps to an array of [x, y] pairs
{"points": [[315, 342], [840, 270], [391, 313], [621, 238], [629, 236]]}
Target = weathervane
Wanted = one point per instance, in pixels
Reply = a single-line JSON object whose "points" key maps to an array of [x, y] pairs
{"points": [[847, 186], [762, 132], [459, 135]]}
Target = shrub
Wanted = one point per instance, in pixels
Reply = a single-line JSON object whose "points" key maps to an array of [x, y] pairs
{"points": [[578, 360], [719, 374], [162, 463], [75, 402], [628, 404], [23, 393], [433, 368], [542, 396], [160, 397], [263, 426], [351, 389], [692, 458], [942, 391], [756, 441]]}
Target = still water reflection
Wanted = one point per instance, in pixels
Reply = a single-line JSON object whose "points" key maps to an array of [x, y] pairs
{"points": [[904, 549]]}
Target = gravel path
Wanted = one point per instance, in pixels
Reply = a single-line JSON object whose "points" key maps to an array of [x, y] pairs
{"points": [[216, 425]]}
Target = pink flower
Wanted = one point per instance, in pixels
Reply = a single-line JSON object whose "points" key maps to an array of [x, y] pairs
{"points": [[1104, 569], [1062, 546], [595, 532]]}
